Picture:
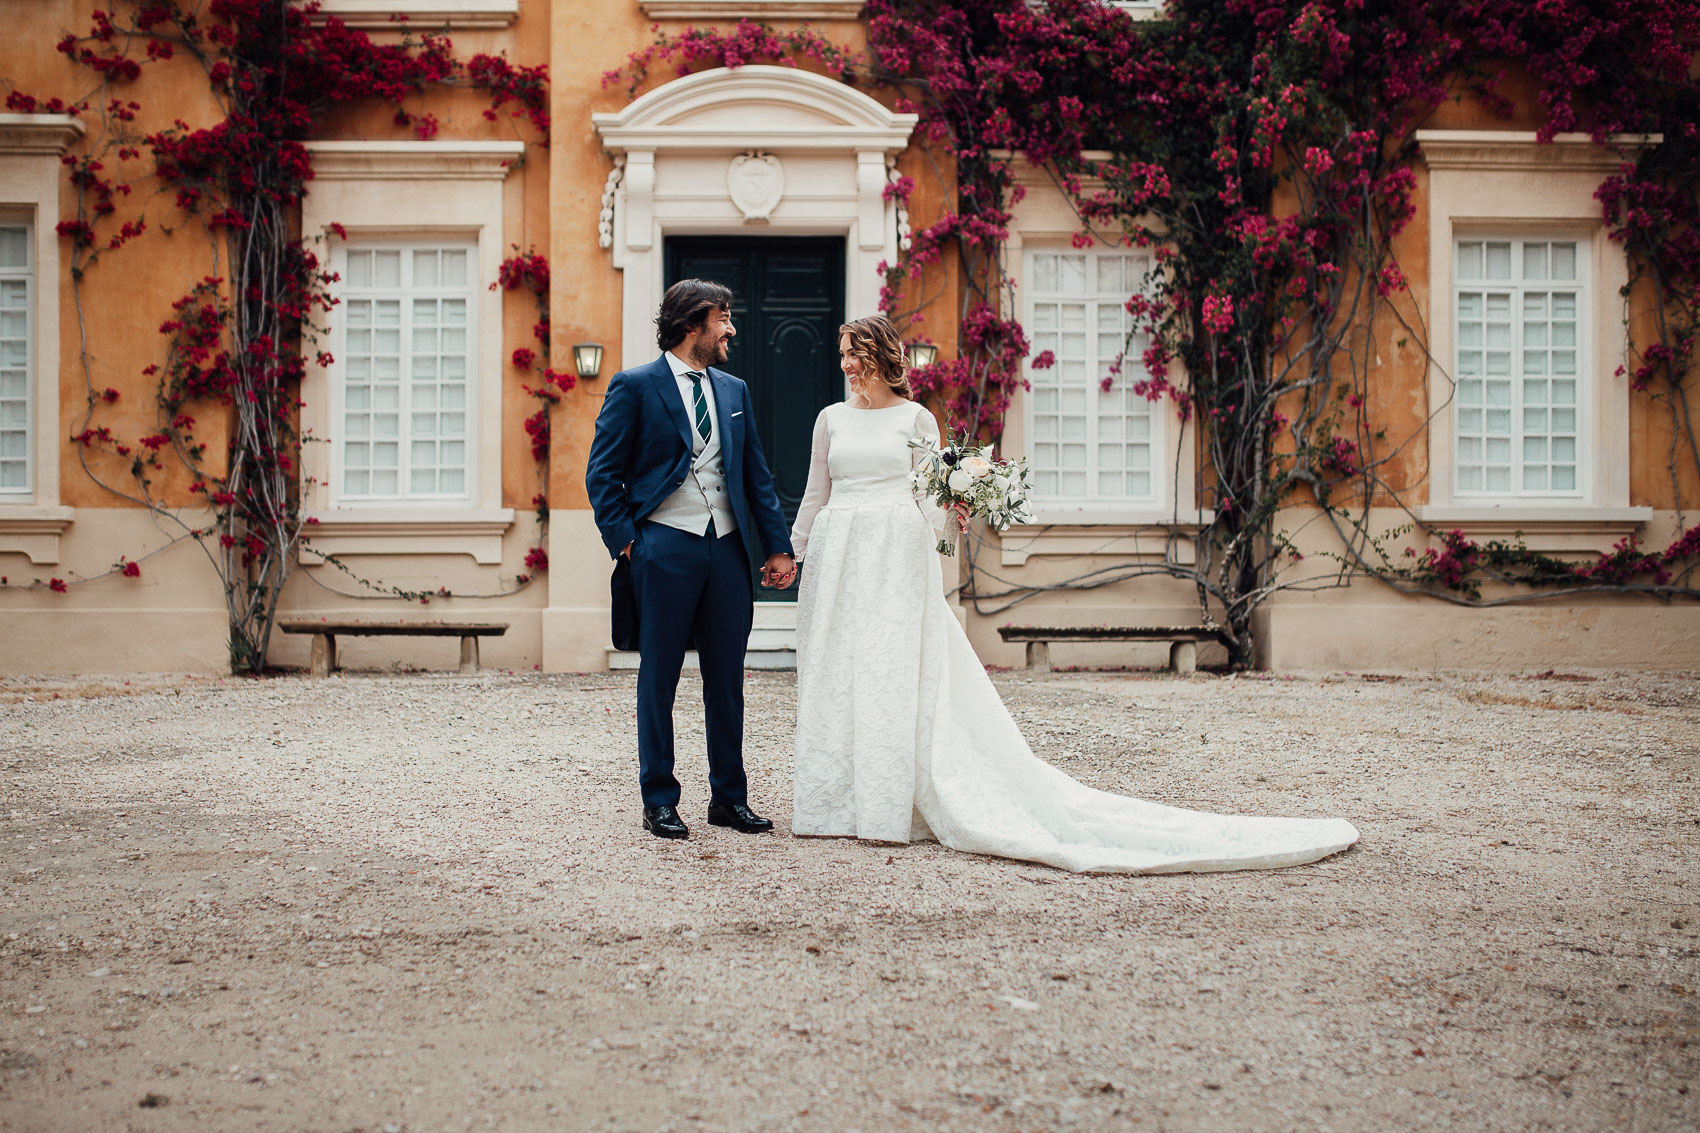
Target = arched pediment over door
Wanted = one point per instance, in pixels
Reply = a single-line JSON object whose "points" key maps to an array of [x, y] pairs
{"points": [[754, 150]]}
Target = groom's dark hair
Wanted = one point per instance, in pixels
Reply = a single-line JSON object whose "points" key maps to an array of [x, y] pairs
{"points": [[685, 308]]}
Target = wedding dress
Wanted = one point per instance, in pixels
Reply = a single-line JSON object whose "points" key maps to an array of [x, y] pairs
{"points": [[900, 733]]}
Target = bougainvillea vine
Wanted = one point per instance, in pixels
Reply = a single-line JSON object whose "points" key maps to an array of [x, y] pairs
{"points": [[1261, 156], [236, 342]]}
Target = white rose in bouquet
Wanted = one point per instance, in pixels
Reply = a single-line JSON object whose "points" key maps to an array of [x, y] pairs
{"points": [[962, 474]]}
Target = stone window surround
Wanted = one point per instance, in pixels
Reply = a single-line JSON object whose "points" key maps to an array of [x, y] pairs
{"points": [[1505, 182], [447, 189], [673, 147], [30, 148], [1045, 218]]}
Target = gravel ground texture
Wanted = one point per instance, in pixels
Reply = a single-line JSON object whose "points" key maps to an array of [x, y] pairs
{"points": [[423, 902]]}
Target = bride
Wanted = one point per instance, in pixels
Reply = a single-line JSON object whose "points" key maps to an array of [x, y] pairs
{"points": [[900, 733]]}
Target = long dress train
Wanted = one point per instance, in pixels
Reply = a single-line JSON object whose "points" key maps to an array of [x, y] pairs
{"points": [[900, 733]]}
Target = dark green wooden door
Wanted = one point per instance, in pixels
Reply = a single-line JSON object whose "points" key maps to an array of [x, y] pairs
{"points": [[788, 303]]}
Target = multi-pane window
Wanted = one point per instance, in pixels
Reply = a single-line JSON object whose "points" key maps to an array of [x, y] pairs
{"points": [[15, 280], [1087, 444], [406, 357], [1518, 329]]}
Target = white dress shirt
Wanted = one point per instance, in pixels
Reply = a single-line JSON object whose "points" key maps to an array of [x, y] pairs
{"points": [[686, 394]]}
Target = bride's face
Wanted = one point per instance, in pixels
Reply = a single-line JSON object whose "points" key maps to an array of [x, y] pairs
{"points": [[849, 363]]}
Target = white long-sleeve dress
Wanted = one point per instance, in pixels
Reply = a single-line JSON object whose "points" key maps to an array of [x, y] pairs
{"points": [[900, 733]]}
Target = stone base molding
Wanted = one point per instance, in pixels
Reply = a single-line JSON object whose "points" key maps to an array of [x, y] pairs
{"points": [[53, 640], [1428, 634]]}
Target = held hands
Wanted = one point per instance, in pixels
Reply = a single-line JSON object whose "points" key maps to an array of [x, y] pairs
{"points": [[778, 572]]}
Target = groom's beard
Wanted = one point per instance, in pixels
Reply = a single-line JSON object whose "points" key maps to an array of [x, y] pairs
{"points": [[712, 353]]}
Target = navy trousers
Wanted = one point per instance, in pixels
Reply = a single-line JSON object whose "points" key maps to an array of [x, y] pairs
{"points": [[691, 588]]}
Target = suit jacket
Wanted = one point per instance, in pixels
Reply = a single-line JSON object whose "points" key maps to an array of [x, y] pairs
{"points": [[641, 453]]}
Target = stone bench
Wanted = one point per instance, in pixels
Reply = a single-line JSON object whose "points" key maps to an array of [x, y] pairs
{"points": [[326, 632], [1183, 650]]}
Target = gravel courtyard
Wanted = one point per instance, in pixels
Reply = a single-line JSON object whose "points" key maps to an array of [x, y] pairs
{"points": [[423, 902]]}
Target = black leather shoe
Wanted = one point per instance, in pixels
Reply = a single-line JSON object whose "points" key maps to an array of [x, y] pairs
{"points": [[740, 818], [664, 822]]}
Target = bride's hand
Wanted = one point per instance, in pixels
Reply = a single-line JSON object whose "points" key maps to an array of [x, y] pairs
{"points": [[959, 512]]}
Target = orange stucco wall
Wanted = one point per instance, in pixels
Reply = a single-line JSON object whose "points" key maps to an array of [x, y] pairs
{"points": [[1397, 394], [582, 41], [551, 204], [1662, 468], [125, 294]]}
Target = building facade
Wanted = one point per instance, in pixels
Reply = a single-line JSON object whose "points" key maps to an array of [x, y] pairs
{"points": [[421, 476]]}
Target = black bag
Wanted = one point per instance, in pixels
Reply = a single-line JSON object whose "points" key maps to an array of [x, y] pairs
{"points": [[623, 607]]}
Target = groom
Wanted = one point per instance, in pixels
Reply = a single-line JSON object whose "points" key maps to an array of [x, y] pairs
{"points": [[680, 489]]}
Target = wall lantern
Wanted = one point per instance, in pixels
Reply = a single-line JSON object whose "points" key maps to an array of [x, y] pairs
{"points": [[587, 359], [922, 354]]}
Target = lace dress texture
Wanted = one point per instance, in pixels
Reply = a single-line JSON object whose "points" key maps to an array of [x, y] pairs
{"points": [[901, 735]]}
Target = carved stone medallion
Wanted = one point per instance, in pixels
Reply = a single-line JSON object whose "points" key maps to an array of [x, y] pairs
{"points": [[756, 182]]}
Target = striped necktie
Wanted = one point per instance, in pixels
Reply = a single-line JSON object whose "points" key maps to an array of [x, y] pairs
{"points": [[699, 402]]}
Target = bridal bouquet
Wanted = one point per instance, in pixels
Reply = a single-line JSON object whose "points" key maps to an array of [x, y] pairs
{"points": [[992, 489]]}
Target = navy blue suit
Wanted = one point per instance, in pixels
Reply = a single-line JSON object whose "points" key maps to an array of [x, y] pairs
{"points": [[689, 588]]}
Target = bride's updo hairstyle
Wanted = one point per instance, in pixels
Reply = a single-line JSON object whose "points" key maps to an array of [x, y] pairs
{"points": [[875, 342]]}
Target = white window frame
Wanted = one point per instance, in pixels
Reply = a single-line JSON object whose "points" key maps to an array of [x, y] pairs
{"points": [[1509, 183], [447, 192], [31, 146], [32, 284], [407, 293], [1045, 219], [1096, 299], [1585, 375]]}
